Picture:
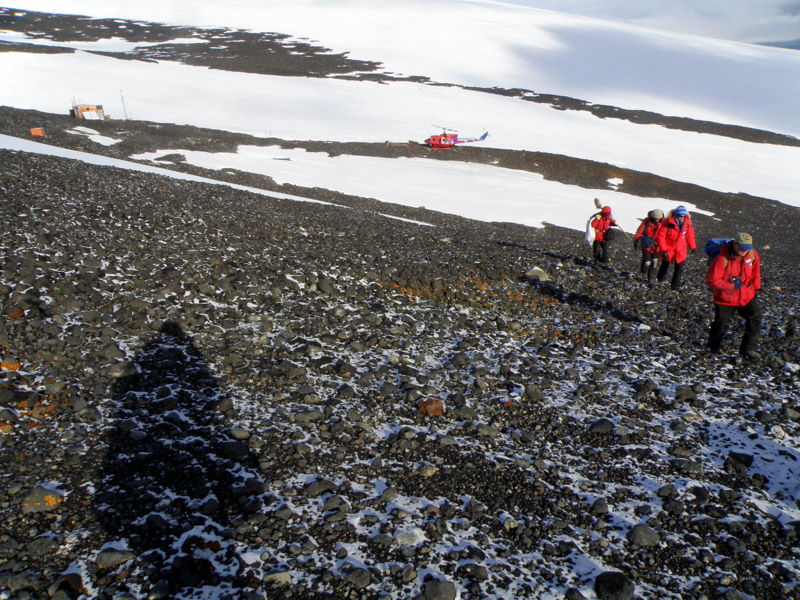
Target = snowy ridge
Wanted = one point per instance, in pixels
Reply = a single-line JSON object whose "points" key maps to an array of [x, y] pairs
{"points": [[516, 46]]}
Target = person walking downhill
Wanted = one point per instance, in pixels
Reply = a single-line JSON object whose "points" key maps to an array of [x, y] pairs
{"points": [[674, 239], [734, 277], [645, 239], [601, 223]]}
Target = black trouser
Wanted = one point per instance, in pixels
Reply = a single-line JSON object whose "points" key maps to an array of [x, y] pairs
{"points": [[649, 264], [600, 251], [676, 274], [751, 313]]}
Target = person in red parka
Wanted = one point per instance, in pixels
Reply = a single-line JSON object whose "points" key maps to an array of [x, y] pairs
{"points": [[734, 277], [601, 223], [645, 239], [674, 240]]}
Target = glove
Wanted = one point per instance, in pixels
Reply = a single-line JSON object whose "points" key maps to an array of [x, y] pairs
{"points": [[694, 250], [637, 243], [737, 283]]}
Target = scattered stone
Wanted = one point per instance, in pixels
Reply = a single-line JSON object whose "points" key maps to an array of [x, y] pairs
{"points": [[746, 460], [613, 585], [643, 536], [42, 499], [111, 558], [433, 407], [536, 274], [600, 507], [120, 370], [427, 471], [71, 582], [280, 578], [602, 426], [358, 578], [440, 590], [319, 487]]}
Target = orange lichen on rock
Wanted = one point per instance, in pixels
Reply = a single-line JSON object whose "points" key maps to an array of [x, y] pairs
{"points": [[52, 500]]}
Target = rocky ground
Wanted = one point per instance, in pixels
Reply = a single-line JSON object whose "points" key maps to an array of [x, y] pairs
{"points": [[210, 394], [206, 393]]}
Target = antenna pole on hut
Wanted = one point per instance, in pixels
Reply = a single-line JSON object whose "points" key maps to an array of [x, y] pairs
{"points": [[124, 111]]}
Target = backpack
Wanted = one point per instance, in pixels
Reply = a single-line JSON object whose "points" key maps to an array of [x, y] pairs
{"points": [[714, 245]]}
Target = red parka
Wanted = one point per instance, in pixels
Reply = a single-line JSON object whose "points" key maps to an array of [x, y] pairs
{"points": [[674, 242], [649, 229], [602, 223], [725, 267]]}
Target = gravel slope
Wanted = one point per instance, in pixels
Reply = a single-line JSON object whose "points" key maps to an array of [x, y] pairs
{"points": [[219, 395]]}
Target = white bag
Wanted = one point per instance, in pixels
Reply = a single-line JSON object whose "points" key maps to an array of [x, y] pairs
{"points": [[589, 237]]}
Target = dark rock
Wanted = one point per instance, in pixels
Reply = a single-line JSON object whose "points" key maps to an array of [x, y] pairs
{"points": [[600, 507], [42, 499], [111, 558], [473, 571], [667, 491], [68, 582], [319, 487], [689, 468], [684, 393], [613, 585], [16, 582], [746, 460], [602, 426], [234, 449], [326, 286], [191, 571], [309, 416], [764, 417], [440, 590], [643, 536], [358, 578], [42, 545]]}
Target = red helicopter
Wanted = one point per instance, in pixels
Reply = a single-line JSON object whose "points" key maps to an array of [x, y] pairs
{"points": [[449, 140]]}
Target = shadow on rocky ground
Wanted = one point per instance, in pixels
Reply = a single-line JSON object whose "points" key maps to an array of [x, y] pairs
{"points": [[173, 479]]}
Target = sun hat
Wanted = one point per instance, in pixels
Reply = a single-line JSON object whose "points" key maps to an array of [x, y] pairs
{"points": [[606, 210], [681, 210], [744, 241]]}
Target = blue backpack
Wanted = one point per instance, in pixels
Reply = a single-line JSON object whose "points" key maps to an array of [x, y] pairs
{"points": [[714, 245]]}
